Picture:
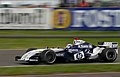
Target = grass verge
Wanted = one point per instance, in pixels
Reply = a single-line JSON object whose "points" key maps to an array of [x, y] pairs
{"points": [[56, 32], [24, 43], [54, 69]]}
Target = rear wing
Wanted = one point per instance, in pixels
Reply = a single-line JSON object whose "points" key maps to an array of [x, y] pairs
{"points": [[113, 45]]}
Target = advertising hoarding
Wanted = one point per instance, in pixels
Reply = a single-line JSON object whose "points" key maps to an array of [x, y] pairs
{"points": [[25, 18], [87, 18]]}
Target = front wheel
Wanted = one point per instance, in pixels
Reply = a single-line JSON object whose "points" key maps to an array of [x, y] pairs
{"points": [[109, 55], [48, 56]]}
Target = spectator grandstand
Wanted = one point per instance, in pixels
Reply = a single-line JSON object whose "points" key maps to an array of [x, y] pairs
{"points": [[29, 3], [58, 3], [92, 3]]}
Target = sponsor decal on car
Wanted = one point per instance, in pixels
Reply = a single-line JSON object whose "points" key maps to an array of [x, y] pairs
{"points": [[85, 46]]}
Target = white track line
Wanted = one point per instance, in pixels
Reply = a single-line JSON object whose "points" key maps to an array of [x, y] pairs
{"points": [[62, 64]]}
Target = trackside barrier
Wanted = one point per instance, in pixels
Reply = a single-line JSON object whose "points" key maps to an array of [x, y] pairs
{"points": [[87, 18], [60, 18], [25, 18]]}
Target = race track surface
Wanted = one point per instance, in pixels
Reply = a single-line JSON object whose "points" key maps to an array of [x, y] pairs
{"points": [[108, 74], [7, 57]]}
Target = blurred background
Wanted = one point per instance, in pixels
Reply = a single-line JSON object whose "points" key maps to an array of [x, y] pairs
{"points": [[57, 3], [34, 23]]}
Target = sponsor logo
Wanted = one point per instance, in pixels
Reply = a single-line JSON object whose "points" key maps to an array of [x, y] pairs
{"points": [[111, 45], [13, 16], [114, 45], [86, 18], [85, 46], [79, 56], [73, 50], [60, 54], [61, 18]]}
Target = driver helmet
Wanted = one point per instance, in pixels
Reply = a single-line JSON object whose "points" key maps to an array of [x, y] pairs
{"points": [[77, 41]]}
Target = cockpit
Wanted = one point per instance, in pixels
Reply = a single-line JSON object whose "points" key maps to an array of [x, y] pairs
{"points": [[75, 43], [78, 42]]}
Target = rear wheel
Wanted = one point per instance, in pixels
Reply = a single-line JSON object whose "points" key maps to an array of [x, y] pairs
{"points": [[108, 55], [48, 56]]}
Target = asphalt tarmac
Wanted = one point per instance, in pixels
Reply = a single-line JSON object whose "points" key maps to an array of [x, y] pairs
{"points": [[104, 74], [7, 57]]}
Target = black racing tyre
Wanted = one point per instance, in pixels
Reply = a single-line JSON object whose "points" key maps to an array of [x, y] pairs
{"points": [[109, 55], [48, 56], [30, 49]]}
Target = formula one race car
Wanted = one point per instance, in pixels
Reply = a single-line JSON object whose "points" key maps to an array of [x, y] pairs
{"points": [[78, 51]]}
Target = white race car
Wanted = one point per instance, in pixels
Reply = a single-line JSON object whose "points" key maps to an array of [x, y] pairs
{"points": [[78, 51]]}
